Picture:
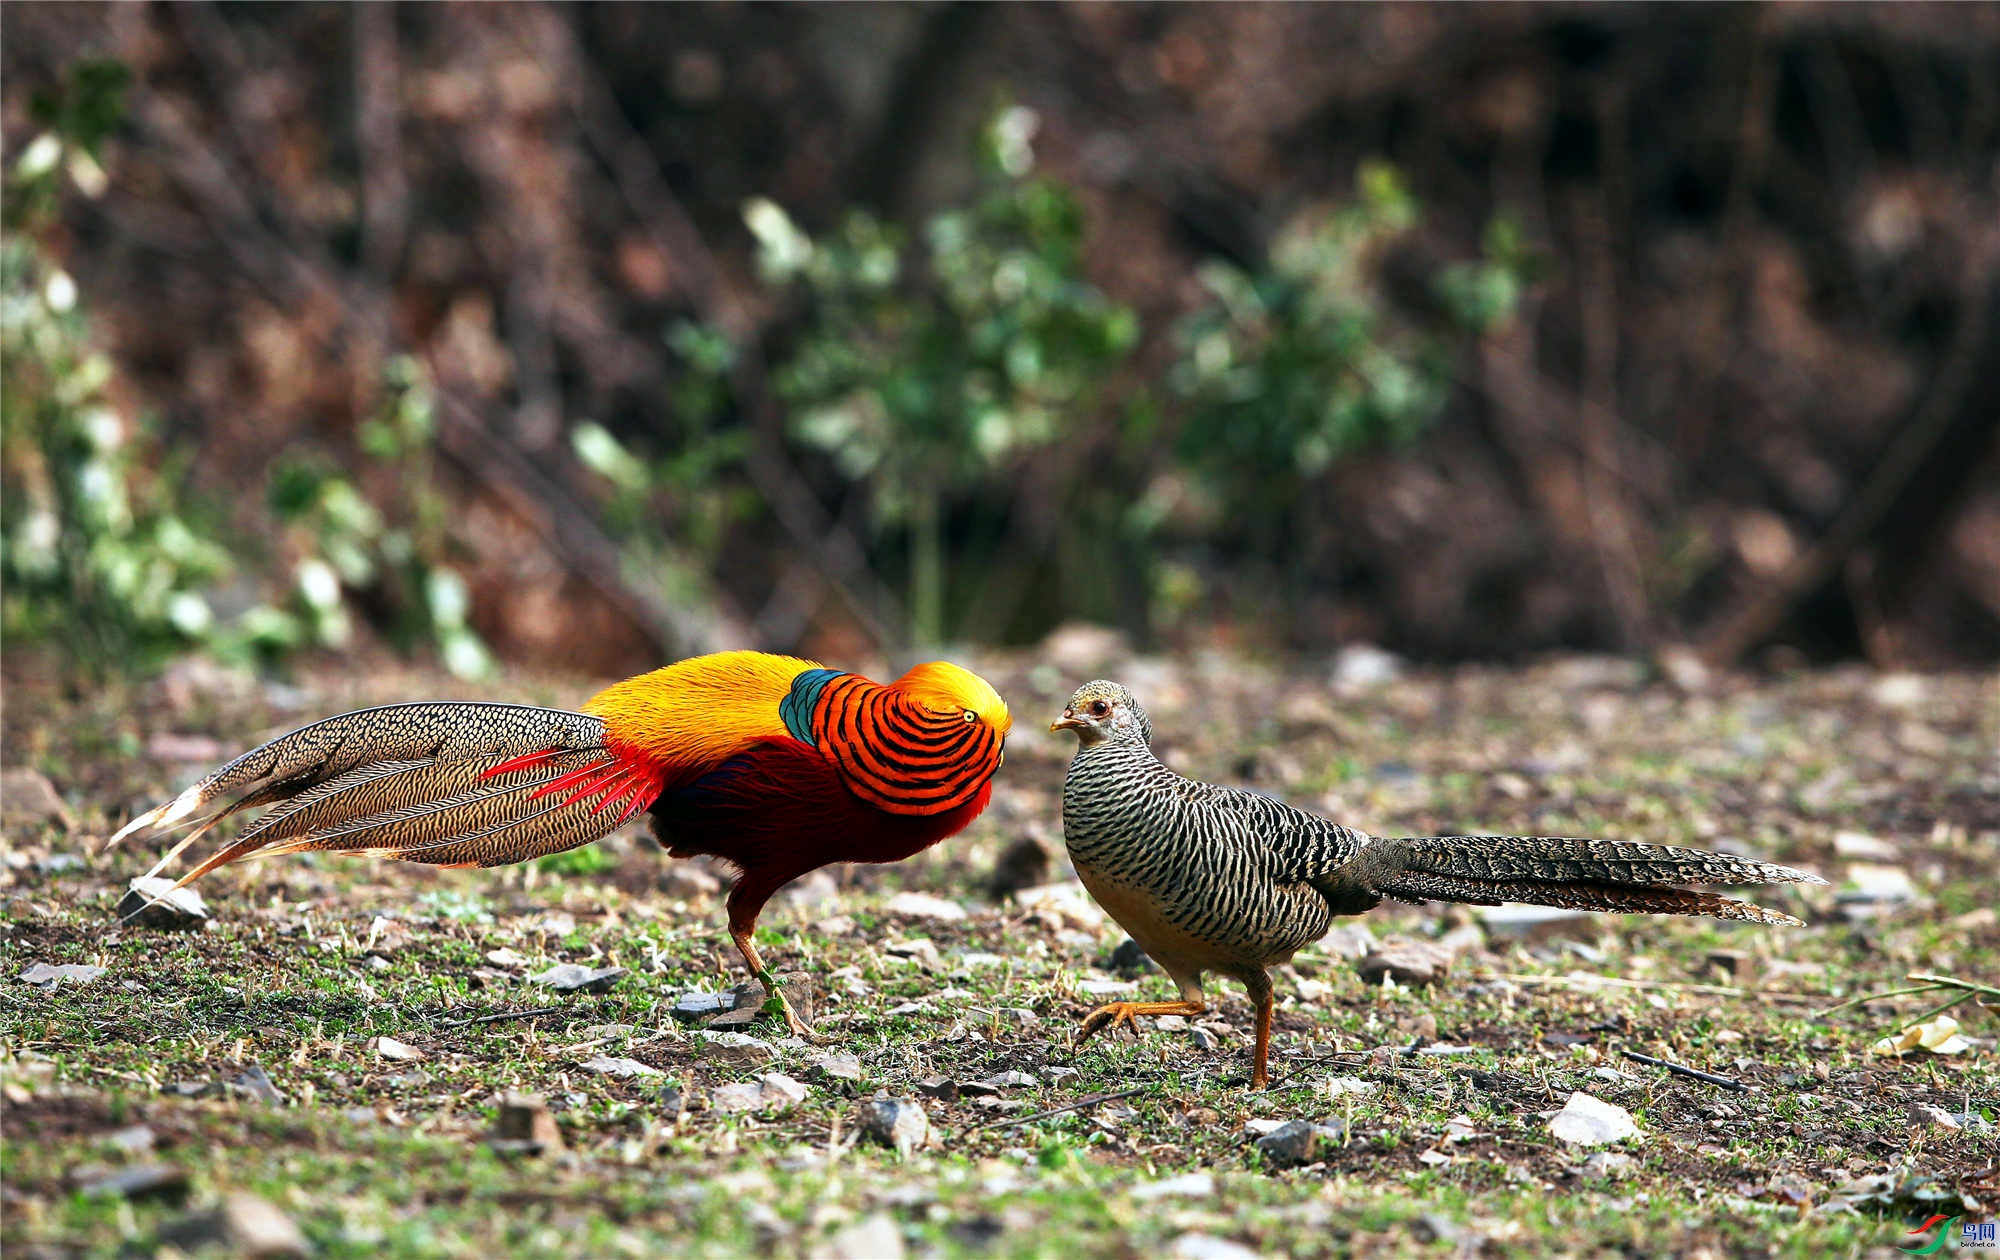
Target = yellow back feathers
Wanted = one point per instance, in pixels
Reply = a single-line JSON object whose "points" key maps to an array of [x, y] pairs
{"points": [[696, 712]]}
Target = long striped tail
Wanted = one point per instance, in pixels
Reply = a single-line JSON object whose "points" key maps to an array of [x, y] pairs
{"points": [[451, 784], [1620, 876]]}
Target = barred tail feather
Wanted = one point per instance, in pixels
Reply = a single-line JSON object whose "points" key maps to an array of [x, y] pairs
{"points": [[1618, 876], [445, 783]]}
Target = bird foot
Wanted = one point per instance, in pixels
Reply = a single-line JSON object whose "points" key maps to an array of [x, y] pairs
{"points": [[1109, 1016], [776, 1004]]}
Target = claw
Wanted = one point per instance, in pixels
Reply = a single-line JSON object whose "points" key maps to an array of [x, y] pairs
{"points": [[776, 1004], [1111, 1016]]}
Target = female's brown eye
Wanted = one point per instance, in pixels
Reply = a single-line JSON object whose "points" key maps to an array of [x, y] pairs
{"points": [[1098, 708]]}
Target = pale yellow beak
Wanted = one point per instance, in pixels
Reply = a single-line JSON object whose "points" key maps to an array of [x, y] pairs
{"points": [[1069, 721]]}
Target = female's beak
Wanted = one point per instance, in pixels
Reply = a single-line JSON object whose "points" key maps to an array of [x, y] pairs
{"points": [[1069, 721]]}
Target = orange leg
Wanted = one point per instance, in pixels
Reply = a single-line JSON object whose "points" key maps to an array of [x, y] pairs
{"points": [[1115, 1013], [1260, 1073], [773, 994]]}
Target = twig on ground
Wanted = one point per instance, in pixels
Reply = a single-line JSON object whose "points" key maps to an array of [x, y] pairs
{"points": [[499, 1016], [1681, 1069], [1079, 1105], [1669, 986], [1926, 983]]}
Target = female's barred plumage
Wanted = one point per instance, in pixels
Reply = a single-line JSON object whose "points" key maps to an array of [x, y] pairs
{"points": [[1210, 878]]}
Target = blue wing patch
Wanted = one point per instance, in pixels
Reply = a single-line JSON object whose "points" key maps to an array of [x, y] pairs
{"points": [[796, 709]]}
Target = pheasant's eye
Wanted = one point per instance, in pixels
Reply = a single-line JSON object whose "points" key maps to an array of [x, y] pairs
{"points": [[1098, 708], [970, 716]]}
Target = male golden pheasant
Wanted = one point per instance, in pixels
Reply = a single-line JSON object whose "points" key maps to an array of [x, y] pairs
{"points": [[1209, 878], [776, 765]]}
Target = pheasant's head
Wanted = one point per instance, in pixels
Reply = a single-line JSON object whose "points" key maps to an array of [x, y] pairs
{"points": [[1101, 711], [945, 688]]}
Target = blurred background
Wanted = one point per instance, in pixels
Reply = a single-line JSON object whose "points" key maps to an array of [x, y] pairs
{"points": [[587, 337]]}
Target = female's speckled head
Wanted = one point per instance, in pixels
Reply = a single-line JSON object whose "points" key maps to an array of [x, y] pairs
{"points": [[1101, 711]]}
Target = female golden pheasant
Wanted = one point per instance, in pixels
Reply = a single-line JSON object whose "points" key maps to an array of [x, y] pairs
{"points": [[1210, 878], [776, 765]]}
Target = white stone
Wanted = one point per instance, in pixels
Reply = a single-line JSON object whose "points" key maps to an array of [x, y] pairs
{"points": [[924, 906], [872, 1237], [1588, 1121], [625, 1069], [1197, 1185], [1859, 844], [1208, 1247]]}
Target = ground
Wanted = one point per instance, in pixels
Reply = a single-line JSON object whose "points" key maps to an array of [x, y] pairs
{"points": [[1440, 1095]]}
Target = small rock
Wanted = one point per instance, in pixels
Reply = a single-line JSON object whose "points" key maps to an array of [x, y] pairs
{"points": [[570, 978], [1610, 1164], [697, 1005], [1024, 1019], [1298, 1142], [257, 1083], [942, 1088], [688, 881], [1066, 904], [1335, 1086], [525, 1126], [921, 949], [1360, 666], [873, 1237], [140, 1182], [924, 906], [504, 957], [672, 1104], [395, 1051], [44, 976], [1208, 1247], [1683, 667], [623, 1069], [1871, 883], [59, 863], [28, 799], [1405, 962], [607, 1032], [154, 902], [135, 1140], [1900, 691], [1010, 1080], [811, 891], [746, 1002], [1927, 1115], [1531, 923], [1433, 1227], [1588, 1121], [900, 1123], [244, 1224], [1196, 1185], [1131, 960], [1864, 847], [837, 1069], [736, 1049], [1349, 940], [773, 1091]]}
